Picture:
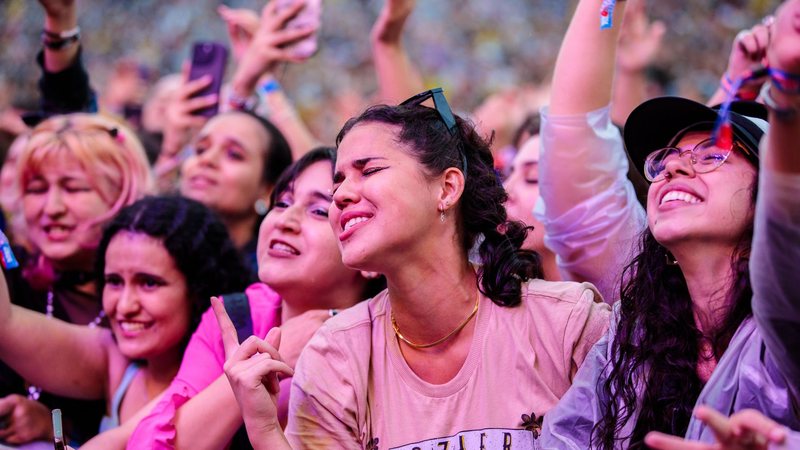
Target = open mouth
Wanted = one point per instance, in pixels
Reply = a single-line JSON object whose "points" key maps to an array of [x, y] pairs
{"points": [[57, 231], [679, 196], [278, 248], [353, 222], [129, 327]]}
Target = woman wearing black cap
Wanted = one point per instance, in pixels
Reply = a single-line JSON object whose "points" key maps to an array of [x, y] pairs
{"points": [[684, 333]]}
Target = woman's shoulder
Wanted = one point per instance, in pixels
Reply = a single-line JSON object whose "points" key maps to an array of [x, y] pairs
{"points": [[562, 293]]}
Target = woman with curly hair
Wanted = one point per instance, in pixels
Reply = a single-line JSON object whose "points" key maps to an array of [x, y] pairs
{"points": [[706, 315], [159, 261], [452, 351]]}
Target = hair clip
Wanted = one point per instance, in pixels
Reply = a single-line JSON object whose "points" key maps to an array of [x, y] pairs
{"points": [[116, 135]]}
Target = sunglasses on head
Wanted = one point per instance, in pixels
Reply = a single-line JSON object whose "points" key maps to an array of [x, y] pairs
{"points": [[441, 106]]}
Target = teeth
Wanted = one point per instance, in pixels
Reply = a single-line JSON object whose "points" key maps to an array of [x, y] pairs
{"points": [[132, 326], [284, 248], [679, 196], [355, 220]]}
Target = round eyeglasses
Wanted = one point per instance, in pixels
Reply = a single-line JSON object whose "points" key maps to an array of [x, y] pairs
{"points": [[705, 157]]}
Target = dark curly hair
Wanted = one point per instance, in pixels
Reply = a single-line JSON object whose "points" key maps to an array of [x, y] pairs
{"points": [[196, 240], [481, 210], [286, 183], [657, 343]]}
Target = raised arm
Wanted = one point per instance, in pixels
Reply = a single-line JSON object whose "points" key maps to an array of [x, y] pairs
{"points": [[62, 358], [588, 207], [776, 253], [262, 50], [398, 77]]}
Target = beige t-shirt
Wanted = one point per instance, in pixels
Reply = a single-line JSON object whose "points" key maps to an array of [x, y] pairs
{"points": [[521, 361]]}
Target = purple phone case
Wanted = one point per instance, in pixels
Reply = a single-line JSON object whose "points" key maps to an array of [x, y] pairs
{"points": [[209, 58]]}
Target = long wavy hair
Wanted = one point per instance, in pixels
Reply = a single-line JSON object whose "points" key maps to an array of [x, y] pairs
{"points": [[653, 366], [481, 211]]}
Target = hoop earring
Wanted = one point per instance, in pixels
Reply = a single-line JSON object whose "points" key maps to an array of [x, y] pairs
{"points": [[261, 207]]}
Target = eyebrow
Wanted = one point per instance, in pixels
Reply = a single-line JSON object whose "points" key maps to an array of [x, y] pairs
{"points": [[321, 196], [360, 163]]}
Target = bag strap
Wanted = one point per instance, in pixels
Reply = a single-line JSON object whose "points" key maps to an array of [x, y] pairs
{"points": [[238, 308]]}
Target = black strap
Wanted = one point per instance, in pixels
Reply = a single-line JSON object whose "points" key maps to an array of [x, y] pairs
{"points": [[238, 308]]}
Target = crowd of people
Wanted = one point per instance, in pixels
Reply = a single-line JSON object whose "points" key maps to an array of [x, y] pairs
{"points": [[584, 263]]}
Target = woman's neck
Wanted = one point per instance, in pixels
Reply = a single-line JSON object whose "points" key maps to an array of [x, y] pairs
{"points": [[709, 278], [549, 265], [298, 299], [430, 300], [160, 371], [240, 228]]}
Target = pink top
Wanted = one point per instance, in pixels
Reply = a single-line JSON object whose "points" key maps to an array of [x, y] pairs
{"points": [[202, 364]]}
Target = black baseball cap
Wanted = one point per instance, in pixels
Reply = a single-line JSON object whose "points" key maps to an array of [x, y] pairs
{"points": [[660, 122]]}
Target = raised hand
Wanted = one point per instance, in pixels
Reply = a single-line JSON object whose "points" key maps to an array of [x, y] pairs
{"points": [[269, 46], [59, 9], [784, 48], [640, 39], [744, 430], [389, 26], [252, 370], [242, 25], [25, 420]]}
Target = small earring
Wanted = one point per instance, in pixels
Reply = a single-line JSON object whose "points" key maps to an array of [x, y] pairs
{"points": [[441, 215], [261, 207], [671, 260]]}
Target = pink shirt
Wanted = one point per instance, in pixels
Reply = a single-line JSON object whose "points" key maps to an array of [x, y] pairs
{"points": [[521, 361], [202, 364]]}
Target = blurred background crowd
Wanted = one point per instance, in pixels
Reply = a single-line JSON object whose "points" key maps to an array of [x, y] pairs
{"points": [[472, 48]]}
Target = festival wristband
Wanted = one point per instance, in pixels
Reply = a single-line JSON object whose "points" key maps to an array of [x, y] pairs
{"points": [[607, 14], [9, 260]]}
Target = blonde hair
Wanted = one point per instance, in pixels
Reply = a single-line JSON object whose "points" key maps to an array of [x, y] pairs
{"points": [[106, 149]]}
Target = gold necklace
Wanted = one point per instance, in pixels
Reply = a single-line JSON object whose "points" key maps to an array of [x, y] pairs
{"points": [[440, 340]]}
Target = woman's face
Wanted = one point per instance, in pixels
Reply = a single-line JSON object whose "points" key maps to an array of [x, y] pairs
{"points": [[522, 186], [145, 297], [296, 246], [712, 207], [61, 207], [225, 171], [385, 207]]}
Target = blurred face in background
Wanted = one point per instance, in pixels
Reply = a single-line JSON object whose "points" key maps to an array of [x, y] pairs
{"points": [[64, 211], [522, 186], [225, 172]]}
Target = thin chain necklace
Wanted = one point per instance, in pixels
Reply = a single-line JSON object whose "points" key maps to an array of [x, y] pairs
{"points": [[34, 392], [440, 340]]}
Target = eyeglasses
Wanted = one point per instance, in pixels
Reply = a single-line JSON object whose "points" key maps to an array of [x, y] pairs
{"points": [[705, 157], [445, 113], [439, 104]]}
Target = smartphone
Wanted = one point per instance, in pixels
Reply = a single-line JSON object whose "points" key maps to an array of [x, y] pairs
{"points": [[58, 431], [208, 58], [310, 15]]}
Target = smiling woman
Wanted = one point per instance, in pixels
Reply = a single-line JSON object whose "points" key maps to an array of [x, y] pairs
{"points": [[237, 159], [414, 191], [74, 174], [154, 289]]}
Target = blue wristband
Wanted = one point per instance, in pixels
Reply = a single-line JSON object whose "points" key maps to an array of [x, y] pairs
{"points": [[270, 86]]}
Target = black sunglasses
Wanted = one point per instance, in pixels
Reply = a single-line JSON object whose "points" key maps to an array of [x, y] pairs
{"points": [[439, 104], [445, 113]]}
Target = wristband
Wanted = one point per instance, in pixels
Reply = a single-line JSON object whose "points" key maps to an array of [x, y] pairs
{"points": [[726, 84], [242, 103], [782, 112], [270, 86], [57, 41]]}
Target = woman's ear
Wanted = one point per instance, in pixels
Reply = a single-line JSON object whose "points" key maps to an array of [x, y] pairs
{"points": [[452, 184]]}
